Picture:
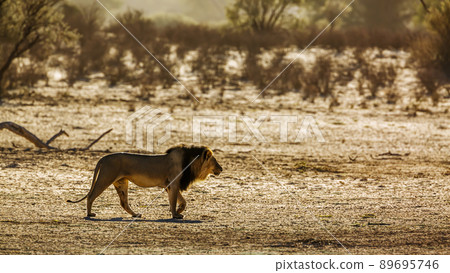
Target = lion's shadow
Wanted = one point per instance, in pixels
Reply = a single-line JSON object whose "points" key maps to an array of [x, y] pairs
{"points": [[121, 219]]}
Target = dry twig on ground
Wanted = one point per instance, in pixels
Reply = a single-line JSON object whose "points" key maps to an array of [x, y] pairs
{"points": [[95, 141]]}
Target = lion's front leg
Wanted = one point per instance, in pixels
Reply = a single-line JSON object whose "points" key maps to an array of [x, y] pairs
{"points": [[181, 203], [173, 196]]}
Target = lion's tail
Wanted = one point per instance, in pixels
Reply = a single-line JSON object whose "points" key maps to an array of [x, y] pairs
{"points": [[94, 179]]}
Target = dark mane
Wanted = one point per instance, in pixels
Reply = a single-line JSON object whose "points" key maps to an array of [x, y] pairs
{"points": [[189, 154]]}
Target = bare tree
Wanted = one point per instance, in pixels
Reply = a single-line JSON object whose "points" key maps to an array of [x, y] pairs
{"points": [[259, 15]]}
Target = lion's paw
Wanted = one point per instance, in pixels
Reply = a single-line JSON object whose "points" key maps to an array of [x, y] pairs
{"points": [[181, 208], [178, 216]]}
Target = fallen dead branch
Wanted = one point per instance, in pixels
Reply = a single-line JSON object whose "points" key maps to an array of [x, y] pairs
{"points": [[389, 156], [95, 141], [61, 132], [386, 158], [392, 154], [21, 131]]}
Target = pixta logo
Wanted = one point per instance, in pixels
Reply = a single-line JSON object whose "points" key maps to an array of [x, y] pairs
{"points": [[149, 128], [140, 128]]}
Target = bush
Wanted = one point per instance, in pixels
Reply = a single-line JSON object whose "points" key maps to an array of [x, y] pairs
{"points": [[318, 80], [209, 65], [432, 52], [291, 79], [439, 22], [373, 76], [125, 60], [87, 57], [430, 83], [25, 25]]}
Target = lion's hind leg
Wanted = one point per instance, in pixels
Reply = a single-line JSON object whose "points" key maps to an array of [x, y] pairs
{"points": [[104, 180], [122, 190]]}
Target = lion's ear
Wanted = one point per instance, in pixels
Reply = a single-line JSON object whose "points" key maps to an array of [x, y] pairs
{"points": [[207, 154]]}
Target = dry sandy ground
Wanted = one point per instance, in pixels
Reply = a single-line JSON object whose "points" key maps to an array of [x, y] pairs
{"points": [[307, 198]]}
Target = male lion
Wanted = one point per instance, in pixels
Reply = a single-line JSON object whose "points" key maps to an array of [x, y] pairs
{"points": [[175, 171]]}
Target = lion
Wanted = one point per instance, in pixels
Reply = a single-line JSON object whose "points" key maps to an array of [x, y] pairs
{"points": [[175, 171]]}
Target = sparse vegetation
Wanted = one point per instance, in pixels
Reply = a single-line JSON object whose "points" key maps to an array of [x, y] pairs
{"points": [[323, 157], [318, 81], [27, 25], [261, 36], [439, 23], [432, 52], [430, 81], [209, 66], [373, 76], [87, 57]]}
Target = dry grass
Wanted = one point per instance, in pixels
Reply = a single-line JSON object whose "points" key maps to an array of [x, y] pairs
{"points": [[372, 204], [374, 76]]}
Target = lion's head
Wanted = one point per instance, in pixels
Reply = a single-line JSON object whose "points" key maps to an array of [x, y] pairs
{"points": [[198, 163]]}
